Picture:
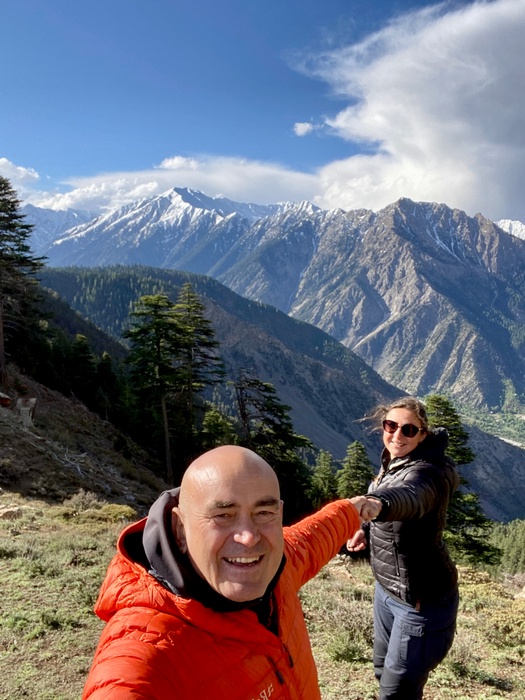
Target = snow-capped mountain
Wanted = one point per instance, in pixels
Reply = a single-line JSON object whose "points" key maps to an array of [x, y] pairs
{"points": [[50, 224], [431, 298], [515, 228], [180, 228]]}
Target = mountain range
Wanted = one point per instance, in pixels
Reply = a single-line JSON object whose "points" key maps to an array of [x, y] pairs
{"points": [[430, 298], [327, 386]]}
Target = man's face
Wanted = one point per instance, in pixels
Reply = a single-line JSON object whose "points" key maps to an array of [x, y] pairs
{"points": [[230, 521]]}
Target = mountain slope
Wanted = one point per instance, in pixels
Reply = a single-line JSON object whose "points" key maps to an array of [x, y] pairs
{"points": [[430, 298], [328, 387]]}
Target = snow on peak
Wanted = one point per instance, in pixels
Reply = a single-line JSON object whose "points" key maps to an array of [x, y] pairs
{"points": [[515, 228]]}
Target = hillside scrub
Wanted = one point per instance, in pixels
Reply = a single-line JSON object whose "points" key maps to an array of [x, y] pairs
{"points": [[53, 560]]}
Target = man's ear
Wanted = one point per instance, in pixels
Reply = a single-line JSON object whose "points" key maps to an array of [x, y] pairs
{"points": [[178, 529]]}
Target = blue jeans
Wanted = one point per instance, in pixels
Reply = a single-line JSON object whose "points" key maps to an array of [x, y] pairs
{"points": [[409, 643]]}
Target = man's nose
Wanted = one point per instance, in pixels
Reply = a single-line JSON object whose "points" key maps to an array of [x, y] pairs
{"points": [[247, 534]]}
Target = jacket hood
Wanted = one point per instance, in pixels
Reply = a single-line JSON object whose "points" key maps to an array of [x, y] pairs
{"points": [[433, 447], [167, 563]]}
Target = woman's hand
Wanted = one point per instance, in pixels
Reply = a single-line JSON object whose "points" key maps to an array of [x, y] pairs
{"points": [[357, 542]]}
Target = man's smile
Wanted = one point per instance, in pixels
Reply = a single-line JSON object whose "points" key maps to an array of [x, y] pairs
{"points": [[243, 561]]}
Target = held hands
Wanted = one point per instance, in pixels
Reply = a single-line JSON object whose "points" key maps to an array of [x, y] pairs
{"points": [[368, 508]]}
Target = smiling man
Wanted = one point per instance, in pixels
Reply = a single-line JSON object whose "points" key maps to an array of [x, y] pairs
{"points": [[201, 599]]}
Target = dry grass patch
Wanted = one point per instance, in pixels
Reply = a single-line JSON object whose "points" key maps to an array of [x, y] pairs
{"points": [[485, 662], [53, 560]]}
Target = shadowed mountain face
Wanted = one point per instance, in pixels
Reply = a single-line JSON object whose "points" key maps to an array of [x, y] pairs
{"points": [[328, 387], [429, 297]]}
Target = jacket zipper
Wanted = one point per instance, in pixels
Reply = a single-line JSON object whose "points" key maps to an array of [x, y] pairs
{"points": [[396, 559], [272, 663], [276, 670]]}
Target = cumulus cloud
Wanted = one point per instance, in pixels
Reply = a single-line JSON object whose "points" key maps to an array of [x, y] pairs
{"points": [[437, 98], [236, 178], [435, 110], [18, 176], [303, 128]]}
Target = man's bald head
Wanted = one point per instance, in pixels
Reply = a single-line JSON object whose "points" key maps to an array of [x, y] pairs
{"points": [[225, 464], [229, 521]]}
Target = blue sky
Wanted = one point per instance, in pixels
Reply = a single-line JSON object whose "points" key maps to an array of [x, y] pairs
{"points": [[350, 103]]}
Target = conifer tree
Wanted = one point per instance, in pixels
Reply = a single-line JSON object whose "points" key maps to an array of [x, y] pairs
{"points": [[354, 478], [109, 390], [510, 538], [467, 526], [324, 482], [82, 370], [217, 429], [17, 269], [266, 427], [200, 365], [174, 359], [156, 342]]}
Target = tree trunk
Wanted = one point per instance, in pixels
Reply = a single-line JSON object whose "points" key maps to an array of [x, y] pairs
{"points": [[169, 467], [3, 371]]}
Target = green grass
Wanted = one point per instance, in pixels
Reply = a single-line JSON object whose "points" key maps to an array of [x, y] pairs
{"points": [[53, 560], [485, 662]]}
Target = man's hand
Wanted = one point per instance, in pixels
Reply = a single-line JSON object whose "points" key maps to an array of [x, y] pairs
{"points": [[368, 508]]}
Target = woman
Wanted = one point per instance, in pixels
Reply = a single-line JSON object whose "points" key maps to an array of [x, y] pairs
{"points": [[416, 594]]}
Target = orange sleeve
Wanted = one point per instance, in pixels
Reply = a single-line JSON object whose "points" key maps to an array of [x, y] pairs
{"points": [[312, 542]]}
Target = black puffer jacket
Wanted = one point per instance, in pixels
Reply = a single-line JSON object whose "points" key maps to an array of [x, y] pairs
{"points": [[407, 553]]}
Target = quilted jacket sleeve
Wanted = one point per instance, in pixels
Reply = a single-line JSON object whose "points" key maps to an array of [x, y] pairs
{"points": [[416, 492]]}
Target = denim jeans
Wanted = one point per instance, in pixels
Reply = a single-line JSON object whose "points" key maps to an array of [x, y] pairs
{"points": [[409, 643]]}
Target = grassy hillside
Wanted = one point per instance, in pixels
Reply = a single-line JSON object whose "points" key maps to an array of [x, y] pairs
{"points": [[69, 483], [53, 558]]}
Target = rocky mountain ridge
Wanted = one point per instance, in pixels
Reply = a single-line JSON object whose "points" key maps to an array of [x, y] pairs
{"points": [[328, 387], [429, 297]]}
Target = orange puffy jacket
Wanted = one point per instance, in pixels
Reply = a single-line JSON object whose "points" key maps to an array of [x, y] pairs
{"points": [[157, 645]]}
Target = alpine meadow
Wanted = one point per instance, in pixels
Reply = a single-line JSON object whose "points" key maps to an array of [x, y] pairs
{"points": [[133, 341]]}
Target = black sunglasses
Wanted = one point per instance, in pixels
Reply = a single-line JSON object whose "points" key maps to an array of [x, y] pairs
{"points": [[408, 429]]}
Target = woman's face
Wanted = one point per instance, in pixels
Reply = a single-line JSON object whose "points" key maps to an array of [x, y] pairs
{"points": [[396, 443]]}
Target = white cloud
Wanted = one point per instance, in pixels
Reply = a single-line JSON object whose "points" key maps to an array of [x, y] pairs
{"points": [[18, 176], [236, 178], [436, 103], [439, 100], [303, 128]]}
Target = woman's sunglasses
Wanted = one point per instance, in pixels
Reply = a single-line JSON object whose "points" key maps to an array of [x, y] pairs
{"points": [[408, 429]]}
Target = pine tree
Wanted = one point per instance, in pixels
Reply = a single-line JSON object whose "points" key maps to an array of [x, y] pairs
{"points": [[200, 365], [265, 426], [109, 390], [354, 478], [217, 429], [324, 482], [82, 370], [17, 267], [174, 359], [510, 538], [468, 527], [156, 344]]}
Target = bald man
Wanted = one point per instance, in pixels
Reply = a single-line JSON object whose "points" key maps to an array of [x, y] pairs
{"points": [[201, 599]]}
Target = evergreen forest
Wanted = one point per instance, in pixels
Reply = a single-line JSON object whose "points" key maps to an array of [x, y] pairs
{"points": [[155, 372]]}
